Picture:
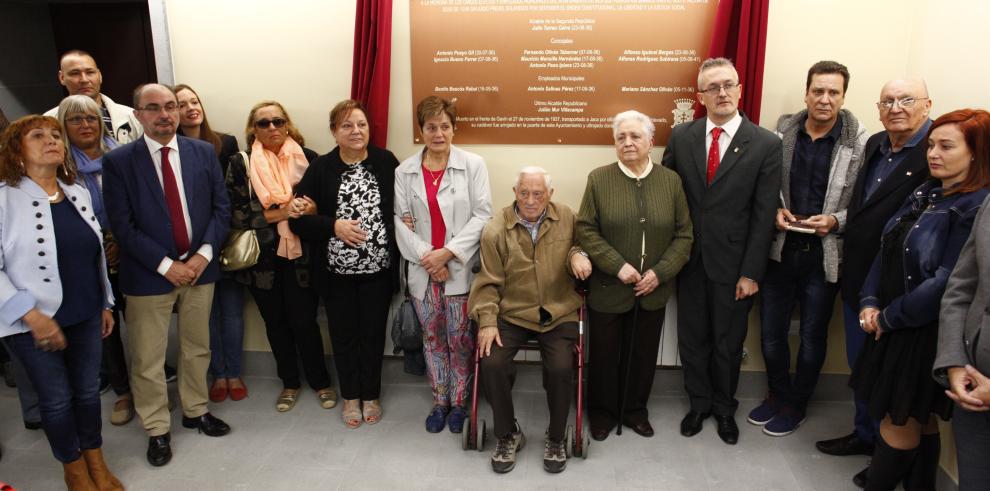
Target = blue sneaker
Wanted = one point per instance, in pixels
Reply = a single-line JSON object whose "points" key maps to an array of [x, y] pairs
{"points": [[785, 422], [437, 419], [456, 419], [765, 412]]}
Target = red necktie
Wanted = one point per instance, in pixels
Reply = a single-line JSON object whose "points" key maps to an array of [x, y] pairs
{"points": [[713, 156], [174, 204]]}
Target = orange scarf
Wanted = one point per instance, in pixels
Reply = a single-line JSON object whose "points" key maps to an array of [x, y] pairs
{"points": [[272, 179]]}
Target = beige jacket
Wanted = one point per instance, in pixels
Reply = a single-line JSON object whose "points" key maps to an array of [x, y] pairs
{"points": [[518, 277]]}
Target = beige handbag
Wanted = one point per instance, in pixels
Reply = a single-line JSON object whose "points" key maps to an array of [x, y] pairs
{"points": [[241, 250]]}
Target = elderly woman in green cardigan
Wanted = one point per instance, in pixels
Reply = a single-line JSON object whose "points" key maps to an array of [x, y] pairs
{"points": [[635, 226]]}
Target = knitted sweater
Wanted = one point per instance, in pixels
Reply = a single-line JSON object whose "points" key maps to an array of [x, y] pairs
{"points": [[615, 212]]}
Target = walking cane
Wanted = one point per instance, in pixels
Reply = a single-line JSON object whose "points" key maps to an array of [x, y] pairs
{"points": [[632, 341]]}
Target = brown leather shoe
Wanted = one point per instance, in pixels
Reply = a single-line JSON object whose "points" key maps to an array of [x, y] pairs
{"points": [[98, 472], [77, 476]]}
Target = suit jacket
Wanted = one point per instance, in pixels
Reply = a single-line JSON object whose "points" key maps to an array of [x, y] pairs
{"points": [[733, 218], [865, 219], [139, 219], [964, 305]]}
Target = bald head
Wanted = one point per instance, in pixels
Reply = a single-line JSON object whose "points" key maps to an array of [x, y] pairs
{"points": [[79, 74], [904, 107]]}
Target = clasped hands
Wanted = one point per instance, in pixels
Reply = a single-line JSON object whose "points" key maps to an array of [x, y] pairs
{"points": [[185, 273], [969, 388], [869, 320]]}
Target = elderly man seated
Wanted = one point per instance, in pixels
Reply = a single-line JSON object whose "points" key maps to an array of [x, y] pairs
{"points": [[523, 291]]}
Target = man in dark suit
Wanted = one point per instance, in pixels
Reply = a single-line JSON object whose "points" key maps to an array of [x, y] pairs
{"points": [[895, 163], [730, 169], [169, 211]]}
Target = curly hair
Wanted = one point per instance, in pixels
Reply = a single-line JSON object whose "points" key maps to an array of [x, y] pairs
{"points": [[12, 168]]}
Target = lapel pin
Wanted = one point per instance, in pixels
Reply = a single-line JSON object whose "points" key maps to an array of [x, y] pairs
{"points": [[909, 173], [735, 150]]}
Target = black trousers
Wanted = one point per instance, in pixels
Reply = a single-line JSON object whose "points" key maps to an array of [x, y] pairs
{"points": [[289, 312], [711, 328], [114, 365], [609, 338], [498, 374], [357, 306]]}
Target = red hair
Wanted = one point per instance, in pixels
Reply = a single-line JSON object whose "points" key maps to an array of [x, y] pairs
{"points": [[974, 124]]}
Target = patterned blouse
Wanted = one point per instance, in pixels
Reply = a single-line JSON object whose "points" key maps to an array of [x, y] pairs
{"points": [[359, 198]]}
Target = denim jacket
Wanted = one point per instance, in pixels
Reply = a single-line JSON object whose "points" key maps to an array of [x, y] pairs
{"points": [[930, 252]]}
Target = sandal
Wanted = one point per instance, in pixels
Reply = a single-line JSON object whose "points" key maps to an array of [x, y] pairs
{"points": [[286, 400], [372, 411], [327, 397], [351, 413]]}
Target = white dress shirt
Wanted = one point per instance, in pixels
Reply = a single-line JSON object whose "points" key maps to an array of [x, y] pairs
{"points": [[729, 130], [205, 250]]}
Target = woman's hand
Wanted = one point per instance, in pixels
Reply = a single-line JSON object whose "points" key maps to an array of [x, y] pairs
{"points": [[350, 232], [106, 323], [409, 221], [436, 259], [628, 274], [646, 284], [869, 321], [300, 206], [46, 332], [784, 218], [441, 276]]}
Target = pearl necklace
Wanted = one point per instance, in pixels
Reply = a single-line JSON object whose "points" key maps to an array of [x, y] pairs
{"points": [[54, 197]]}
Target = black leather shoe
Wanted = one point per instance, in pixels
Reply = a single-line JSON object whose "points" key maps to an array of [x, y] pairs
{"points": [[32, 425], [159, 450], [642, 429], [691, 424], [860, 478], [727, 429], [845, 445], [208, 424], [599, 434]]}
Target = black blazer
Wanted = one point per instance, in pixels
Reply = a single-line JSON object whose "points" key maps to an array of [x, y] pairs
{"points": [[228, 147], [865, 219], [733, 218], [322, 184]]}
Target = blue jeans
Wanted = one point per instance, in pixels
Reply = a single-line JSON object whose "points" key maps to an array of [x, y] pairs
{"points": [[866, 428], [798, 279], [227, 329], [68, 386]]}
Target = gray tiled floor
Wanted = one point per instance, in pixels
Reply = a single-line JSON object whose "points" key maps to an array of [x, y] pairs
{"points": [[309, 448]]}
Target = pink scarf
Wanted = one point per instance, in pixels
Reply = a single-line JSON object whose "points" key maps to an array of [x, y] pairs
{"points": [[272, 178]]}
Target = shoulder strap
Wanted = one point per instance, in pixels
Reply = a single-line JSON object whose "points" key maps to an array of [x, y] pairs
{"points": [[247, 170]]}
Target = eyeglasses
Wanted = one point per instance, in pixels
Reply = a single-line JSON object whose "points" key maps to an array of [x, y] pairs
{"points": [[78, 120], [171, 107], [264, 123], [717, 89], [905, 103]]}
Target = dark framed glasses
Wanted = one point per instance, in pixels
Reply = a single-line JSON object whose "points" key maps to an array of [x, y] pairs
{"points": [[264, 123]]}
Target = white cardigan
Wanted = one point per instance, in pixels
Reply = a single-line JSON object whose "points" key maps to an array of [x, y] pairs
{"points": [[466, 205]]}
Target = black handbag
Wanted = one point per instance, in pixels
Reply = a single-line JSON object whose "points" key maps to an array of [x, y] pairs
{"points": [[407, 333]]}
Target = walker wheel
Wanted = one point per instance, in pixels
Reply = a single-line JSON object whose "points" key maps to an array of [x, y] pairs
{"points": [[585, 443], [479, 436]]}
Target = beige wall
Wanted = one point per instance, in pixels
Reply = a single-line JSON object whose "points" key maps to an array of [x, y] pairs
{"points": [[235, 53]]}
